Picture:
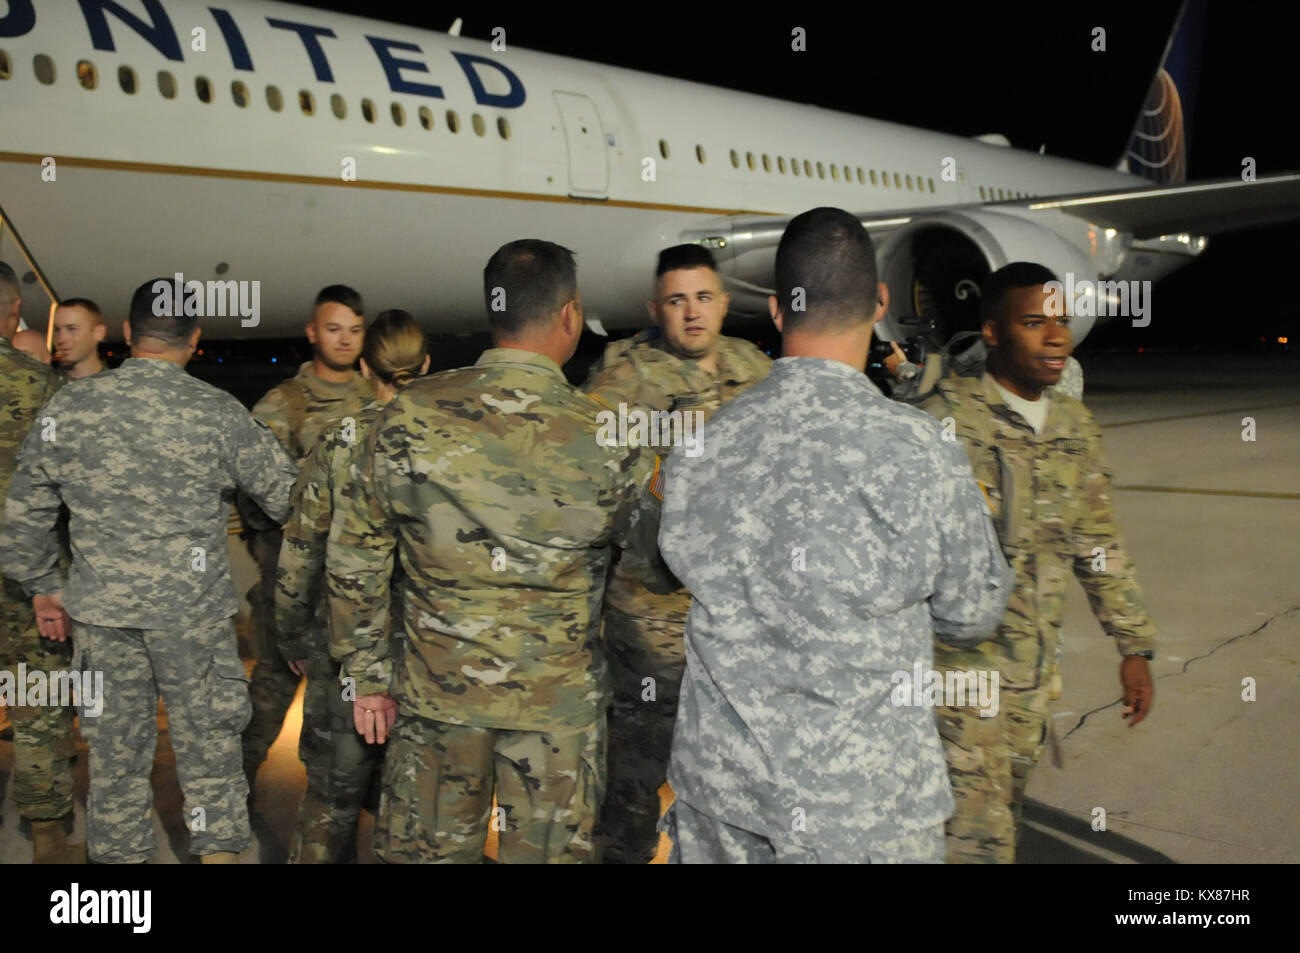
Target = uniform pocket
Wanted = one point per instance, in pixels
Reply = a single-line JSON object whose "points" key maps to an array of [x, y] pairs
{"points": [[223, 704]]}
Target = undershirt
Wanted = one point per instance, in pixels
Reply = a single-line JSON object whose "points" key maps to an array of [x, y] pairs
{"points": [[1034, 411]]}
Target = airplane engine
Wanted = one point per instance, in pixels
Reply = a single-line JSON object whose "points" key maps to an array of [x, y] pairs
{"points": [[933, 266]]}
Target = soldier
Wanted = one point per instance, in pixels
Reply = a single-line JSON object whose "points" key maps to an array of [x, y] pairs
{"points": [[1037, 454], [147, 458], [684, 364], [298, 411], [43, 734], [339, 762], [821, 547], [78, 330], [494, 485]]}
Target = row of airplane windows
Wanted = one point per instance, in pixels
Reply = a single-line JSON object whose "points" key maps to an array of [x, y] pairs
{"points": [[903, 180], [88, 77]]}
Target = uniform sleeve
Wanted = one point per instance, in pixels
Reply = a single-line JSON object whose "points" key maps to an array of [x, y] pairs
{"points": [[29, 541], [359, 567], [621, 382], [263, 469], [1101, 563], [301, 565], [273, 410], [974, 581], [636, 522]]}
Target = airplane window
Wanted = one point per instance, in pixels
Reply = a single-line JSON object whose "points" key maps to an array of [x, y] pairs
{"points": [[807, 168], [749, 160], [480, 127], [239, 93], [1001, 194], [166, 84], [981, 193], [6, 67], [821, 172], [86, 74], [835, 172], [735, 159], [699, 154], [203, 88], [399, 114], [306, 102], [794, 165], [426, 117], [862, 179], [663, 148], [453, 121], [931, 185], [367, 110], [44, 67], [767, 163], [848, 174], [339, 106], [273, 99], [126, 79], [884, 178], [780, 164], [503, 127], [873, 177], [909, 183]]}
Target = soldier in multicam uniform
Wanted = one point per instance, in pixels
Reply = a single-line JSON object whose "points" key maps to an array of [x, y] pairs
{"points": [[43, 735], [1037, 454], [493, 484], [822, 548], [325, 390], [339, 762], [147, 460], [684, 364]]}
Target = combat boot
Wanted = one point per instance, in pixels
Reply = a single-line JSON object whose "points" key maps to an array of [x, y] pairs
{"points": [[220, 857], [49, 843]]}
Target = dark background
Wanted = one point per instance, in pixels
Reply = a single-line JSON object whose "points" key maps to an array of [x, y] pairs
{"points": [[1025, 72]]}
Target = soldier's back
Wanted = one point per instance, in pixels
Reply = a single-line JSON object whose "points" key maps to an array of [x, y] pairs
{"points": [[28, 385]]}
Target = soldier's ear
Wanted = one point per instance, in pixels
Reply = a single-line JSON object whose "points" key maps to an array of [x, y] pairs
{"points": [[652, 308], [774, 310], [424, 368], [126, 332], [194, 338], [100, 330], [989, 332]]}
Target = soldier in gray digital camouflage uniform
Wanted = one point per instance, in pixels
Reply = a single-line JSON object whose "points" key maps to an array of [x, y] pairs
{"points": [[147, 460], [825, 533]]}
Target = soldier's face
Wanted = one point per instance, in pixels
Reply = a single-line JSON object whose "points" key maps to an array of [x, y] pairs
{"points": [[335, 334], [688, 308], [76, 334], [1031, 344]]}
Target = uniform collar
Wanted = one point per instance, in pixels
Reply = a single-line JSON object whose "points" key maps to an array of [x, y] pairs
{"points": [[514, 355], [152, 365], [822, 366], [1051, 427]]}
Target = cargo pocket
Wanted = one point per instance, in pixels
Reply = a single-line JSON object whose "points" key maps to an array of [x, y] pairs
{"points": [[223, 705]]}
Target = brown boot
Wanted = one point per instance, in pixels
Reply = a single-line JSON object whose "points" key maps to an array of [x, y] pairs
{"points": [[49, 844], [220, 857]]}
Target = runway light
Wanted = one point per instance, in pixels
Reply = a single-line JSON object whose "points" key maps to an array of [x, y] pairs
{"points": [[272, 360], [1282, 340], [1141, 349]]}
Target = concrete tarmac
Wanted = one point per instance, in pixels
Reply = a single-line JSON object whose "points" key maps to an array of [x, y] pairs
{"points": [[1212, 521]]}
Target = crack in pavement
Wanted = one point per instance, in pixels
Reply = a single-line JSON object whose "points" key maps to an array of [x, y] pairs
{"points": [[1255, 631]]}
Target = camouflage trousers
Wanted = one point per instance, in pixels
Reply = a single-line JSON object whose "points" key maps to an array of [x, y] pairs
{"points": [[439, 780], [274, 683], [698, 838], [989, 763], [341, 769], [640, 731], [44, 743], [197, 672]]}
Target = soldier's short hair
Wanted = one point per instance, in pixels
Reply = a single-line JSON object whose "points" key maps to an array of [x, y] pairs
{"points": [[1017, 274], [825, 271], [684, 256], [85, 303], [173, 329], [10, 290], [341, 294], [525, 283]]}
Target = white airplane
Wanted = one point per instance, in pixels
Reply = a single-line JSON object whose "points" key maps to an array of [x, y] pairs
{"points": [[263, 142]]}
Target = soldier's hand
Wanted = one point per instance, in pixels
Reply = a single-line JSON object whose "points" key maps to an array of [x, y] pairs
{"points": [[299, 666], [51, 621], [894, 359], [373, 716], [1139, 691]]}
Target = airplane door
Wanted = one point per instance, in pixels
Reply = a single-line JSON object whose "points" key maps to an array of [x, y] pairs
{"points": [[588, 158]]}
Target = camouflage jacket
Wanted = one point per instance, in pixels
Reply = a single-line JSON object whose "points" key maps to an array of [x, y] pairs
{"points": [[147, 459], [28, 384], [1050, 496], [641, 372], [298, 411], [300, 570], [490, 483], [826, 533]]}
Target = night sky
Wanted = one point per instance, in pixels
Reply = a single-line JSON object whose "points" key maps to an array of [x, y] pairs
{"points": [[1030, 75]]}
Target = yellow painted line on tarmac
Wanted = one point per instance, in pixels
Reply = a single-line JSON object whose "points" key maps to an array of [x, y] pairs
{"points": [[1254, 494], [1204, 413]]}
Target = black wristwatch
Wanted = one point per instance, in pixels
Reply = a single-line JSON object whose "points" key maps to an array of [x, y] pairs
{"points": [[1148, 655]]}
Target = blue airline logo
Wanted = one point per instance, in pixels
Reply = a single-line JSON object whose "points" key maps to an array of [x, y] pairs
{"points": [[395, 56]]}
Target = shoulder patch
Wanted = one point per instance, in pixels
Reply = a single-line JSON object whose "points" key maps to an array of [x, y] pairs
{"points": [[657, 479]]}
